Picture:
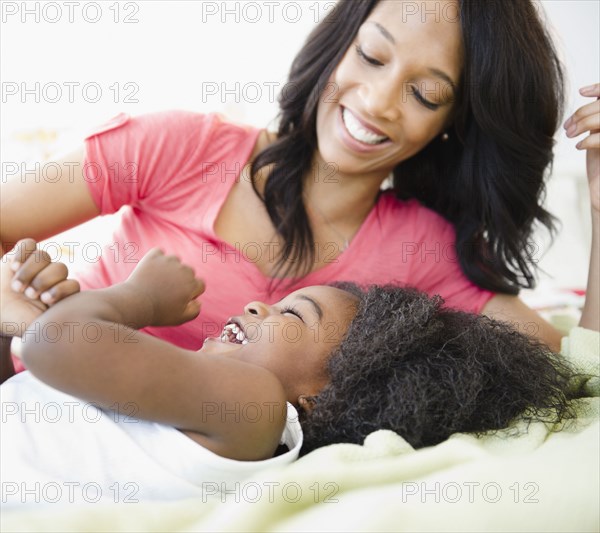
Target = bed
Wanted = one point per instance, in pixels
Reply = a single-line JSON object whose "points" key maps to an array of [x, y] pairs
{"points": [[542, 479]]}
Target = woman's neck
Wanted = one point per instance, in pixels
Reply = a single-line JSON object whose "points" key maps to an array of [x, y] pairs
{"points": [[343, 199]]}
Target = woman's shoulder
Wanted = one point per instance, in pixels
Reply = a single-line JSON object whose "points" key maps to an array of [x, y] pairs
{"points": [[173, 119], [157, 159], [176, 127]]}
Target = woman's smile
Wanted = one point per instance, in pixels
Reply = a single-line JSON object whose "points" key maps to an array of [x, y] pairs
{"points": [[387, 104], [357, 136]]}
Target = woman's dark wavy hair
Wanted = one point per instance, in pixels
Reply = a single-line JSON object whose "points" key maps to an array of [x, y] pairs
{"points": [[487, 179], [411, 366]]}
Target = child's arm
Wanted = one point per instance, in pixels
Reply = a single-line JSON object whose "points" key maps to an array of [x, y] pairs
{"points": [[97, 355]]}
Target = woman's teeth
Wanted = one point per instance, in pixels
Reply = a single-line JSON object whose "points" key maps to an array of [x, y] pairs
{"points": [[233, 333], [358, 132]]}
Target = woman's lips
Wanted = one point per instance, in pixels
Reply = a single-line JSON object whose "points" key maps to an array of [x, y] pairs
{"points": [[365, 124], [352, 143]]}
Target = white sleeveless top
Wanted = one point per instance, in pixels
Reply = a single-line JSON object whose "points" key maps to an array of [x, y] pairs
{"points": [[55, 448]]}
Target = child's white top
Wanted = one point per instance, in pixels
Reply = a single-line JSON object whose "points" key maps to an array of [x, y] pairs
{"points": [[57, 448]]}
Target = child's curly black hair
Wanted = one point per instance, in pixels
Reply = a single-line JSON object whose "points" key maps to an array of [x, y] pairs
{"points": [[426, 372]]}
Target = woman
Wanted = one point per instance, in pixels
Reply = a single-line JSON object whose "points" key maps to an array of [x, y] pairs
{"points": [[464, 124], [161, 422]]}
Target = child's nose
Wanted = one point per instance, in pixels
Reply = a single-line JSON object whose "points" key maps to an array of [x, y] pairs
{"points": [[257, 309]]}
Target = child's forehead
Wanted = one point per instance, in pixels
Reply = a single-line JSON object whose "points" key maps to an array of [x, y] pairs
{"points": [[332, 301], [324, 292]]}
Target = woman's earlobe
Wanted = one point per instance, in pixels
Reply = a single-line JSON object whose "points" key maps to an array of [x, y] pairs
{"points": [[307, 403]]}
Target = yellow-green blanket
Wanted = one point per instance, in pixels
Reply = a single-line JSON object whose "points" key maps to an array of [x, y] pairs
{"points": [[536, 481]]}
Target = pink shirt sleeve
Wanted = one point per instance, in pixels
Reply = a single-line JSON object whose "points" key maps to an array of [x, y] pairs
{"points": [[151, 161]]}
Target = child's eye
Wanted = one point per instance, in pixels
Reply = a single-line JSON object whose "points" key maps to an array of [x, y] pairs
{"points": [[366, 58], [292, 311]]}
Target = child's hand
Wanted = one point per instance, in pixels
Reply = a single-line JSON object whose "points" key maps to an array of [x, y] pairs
{"points": [[171, 288], [29, 283]]}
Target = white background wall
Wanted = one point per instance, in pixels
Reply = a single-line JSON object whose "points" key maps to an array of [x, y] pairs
{"points": [[163, 54]]}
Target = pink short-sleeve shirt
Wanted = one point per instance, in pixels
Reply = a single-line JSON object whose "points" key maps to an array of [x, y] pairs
{"points": [[173, 171]]}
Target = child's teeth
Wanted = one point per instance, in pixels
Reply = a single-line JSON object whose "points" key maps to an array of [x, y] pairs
{"points": [[232, 333]]}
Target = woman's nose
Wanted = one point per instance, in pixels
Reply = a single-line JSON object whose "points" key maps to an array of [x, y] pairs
{"points": [[382, 100], [257, 309]]}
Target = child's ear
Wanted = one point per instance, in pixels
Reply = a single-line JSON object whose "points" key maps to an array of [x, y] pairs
{"points": [[307, 403]]}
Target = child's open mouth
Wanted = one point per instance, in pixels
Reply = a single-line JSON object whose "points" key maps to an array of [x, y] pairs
{"points": [[234, 333]]}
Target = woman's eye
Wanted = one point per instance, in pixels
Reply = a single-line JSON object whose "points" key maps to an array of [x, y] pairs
{"points": [[366, 58], [423, 101], [375, 62]]}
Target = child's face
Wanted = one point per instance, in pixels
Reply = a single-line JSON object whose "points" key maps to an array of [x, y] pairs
{"points": [[292, 338]]}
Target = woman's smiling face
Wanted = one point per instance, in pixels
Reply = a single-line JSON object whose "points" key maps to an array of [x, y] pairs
{"points": [[397, 79], [292, 338]]}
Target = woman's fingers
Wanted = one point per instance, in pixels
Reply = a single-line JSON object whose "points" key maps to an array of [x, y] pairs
{"points": [[28, 269], [585, 118], [37, 276], [591, 141], [22, 250], [586, 110], [591, 90], [48, 277], [588, 123], [60, 290]]}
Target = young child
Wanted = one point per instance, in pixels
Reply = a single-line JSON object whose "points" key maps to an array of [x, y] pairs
{"points": [[106, 406]]}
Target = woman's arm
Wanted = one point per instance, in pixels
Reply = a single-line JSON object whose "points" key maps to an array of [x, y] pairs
{"points": [[513, 310], [590, 317], [44, 202], [7, 369], [510, 308], [96, 354], [587, 119]]}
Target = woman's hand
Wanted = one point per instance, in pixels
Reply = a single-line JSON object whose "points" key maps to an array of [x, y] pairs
{"points": [[171, 288], [587, 119], [29, 283]]}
